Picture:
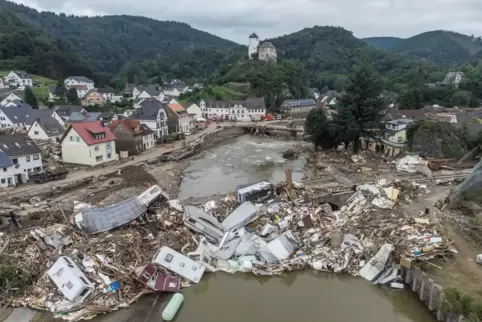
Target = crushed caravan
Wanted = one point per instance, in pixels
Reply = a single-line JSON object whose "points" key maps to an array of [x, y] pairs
{"points": [[150, 276], [179, 264], [240, 217], [203, 223], [97, 220], [253, 192], [70, 280]]}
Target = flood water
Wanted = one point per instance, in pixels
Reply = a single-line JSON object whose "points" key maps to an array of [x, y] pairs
{"points": [[246, 159], [301, 296]]}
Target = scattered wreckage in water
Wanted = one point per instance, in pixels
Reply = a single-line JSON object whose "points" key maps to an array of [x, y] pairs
{"points": [[151, 244]]}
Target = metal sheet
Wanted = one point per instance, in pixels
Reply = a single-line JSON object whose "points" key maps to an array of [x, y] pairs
{"points": [[240, 217], [377, 263], [103, 219]]}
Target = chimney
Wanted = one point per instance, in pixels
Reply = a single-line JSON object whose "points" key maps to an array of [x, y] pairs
{"points": [[102, 123]]}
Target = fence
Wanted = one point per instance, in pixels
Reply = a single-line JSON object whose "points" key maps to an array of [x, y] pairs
{"points": [[429, 293]]}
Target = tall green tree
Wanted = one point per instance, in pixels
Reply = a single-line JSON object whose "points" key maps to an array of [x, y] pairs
{"points": [[474, 101], [29, 98], [72, 97], [359, 107], [319, 129], [60, 90], [411, 99]]}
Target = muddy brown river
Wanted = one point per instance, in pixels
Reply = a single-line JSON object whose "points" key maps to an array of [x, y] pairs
{"points": [[302, 296]]}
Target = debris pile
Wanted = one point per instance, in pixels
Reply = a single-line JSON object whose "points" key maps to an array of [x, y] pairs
{"points": [[103, 259]]}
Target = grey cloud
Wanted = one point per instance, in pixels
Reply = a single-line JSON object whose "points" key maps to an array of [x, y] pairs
{"points": [[270, 18]]}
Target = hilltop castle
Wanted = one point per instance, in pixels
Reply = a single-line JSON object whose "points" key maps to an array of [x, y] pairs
{"points": [[266, 51]]}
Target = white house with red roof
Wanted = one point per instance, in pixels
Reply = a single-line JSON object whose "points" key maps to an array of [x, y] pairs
{"points": [[90, 143]]}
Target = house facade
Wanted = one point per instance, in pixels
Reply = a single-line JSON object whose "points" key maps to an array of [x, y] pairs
{"points": [[89, 143], [79, 80], [240, 110], [92, 97], [10, 98], [46, 129], [178, 119], [394, 137], [132, 136], [17, 116], [19, 156], [2, 84], [109, 94], [298, 106], [19, 79], [152, 113], [172, 91]]}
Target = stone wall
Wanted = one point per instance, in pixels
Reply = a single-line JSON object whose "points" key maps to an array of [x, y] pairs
{"points": [[429, 293]]}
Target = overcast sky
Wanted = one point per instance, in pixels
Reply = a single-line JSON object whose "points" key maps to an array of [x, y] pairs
{"points": [[235, 20]]}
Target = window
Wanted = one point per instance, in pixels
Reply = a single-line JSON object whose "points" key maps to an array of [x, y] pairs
{"points": [[107, 145], [71, 138], [84, 291], [108, 155], [169, 258], [99, 158], [83, 280], [3, 181], [96, 148], [69, 285], [4, 169], [36, 157], [35, 132], [28, 158], [37, 169], [69, 263], [399, 139], [78, 139]]}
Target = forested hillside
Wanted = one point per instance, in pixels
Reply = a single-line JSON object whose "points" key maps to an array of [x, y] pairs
{"points": [[109, 43], [442, 47], [329, 53], [23, 47]]}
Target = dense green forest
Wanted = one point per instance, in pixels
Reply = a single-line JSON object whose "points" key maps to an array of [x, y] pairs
{"points": [[442, 47], [23, 47], [111, 44]]}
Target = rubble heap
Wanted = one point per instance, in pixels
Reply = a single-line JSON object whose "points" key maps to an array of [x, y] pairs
{"points": [[287, 230]]}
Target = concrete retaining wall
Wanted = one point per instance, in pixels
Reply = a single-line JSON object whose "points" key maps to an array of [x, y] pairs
{"points": [[429, 293]]}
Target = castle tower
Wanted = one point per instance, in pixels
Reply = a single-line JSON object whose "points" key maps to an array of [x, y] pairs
{"points": [[253, 45]]}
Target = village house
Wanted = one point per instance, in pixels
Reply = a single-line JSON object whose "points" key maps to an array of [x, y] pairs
{"points": [[394, 137], [395, 114], [46, 129], [132, 136], [298, 106], [65, 111], [89, 143], [15, 116], [92, 97], [73, 81], [19, 156], [109, 94], [241, 110], [9, 98], [44, 114], [150, 92], [19, 79], [172, 90], [195, 110], [81, 90], [177, 119], [152, 113]]}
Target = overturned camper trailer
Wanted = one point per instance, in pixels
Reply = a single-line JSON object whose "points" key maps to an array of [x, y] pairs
{"points": [[97, 220], [151, 277], [70, 280], [253, 192], [179, 264], [240, 217], [203, 223]]}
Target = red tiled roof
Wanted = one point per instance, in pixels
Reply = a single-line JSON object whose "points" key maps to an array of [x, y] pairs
{"points": [[89, 129], [176, 107]]}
